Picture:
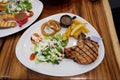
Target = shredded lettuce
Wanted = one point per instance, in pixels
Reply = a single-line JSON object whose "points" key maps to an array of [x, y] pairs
{"points": [[16, 6], [51, 53]]}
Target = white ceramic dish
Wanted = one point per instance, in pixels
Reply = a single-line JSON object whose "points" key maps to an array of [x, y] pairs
{"points": [[66, 67], [37, 5]]}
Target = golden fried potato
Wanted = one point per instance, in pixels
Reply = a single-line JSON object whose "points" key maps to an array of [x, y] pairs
{"points": [[64, 36], [79, 31], [76, 22], [67, 33], [76, 28]]}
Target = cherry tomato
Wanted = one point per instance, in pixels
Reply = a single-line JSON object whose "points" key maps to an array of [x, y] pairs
{"points": [[32, 56]]}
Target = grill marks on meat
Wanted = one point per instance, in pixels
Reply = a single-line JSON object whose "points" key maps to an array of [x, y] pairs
{"points": [[92, 44], [76, 54], [85, 56], [85, 52]]}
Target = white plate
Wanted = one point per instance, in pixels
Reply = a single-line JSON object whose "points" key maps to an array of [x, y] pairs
{"points": [[66, 67], [37, 9]]}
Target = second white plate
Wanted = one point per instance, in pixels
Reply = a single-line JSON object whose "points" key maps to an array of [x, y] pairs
{"points": [[37, 9]]}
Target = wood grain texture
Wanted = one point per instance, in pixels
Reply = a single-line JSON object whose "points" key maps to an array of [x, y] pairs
{"points": [[98, 14], [112, 32]]}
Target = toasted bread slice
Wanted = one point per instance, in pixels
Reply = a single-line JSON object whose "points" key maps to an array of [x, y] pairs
{"points": [[7, 17], [6, 24]]}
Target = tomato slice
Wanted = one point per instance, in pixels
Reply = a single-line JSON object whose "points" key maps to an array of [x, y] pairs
{"points": [[32, 56]]}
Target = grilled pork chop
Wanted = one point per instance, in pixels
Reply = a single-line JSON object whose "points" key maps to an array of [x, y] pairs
{"points": [[85, 52]]}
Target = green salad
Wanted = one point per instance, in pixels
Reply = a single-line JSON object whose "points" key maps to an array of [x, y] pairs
{"points": [[50, 49], [16, 6]]}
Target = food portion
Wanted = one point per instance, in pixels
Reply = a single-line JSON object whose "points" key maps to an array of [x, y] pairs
{"points": [[7, 17], [2, 7], [85, 52], [14, 11], [36, 38], [21, 18], [7, 20], [6, 24], [50, 25], [75, 29], [3, 4], [51, 47], [3, 1], [16, 6]]}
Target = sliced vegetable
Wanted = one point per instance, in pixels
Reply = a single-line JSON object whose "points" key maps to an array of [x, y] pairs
{"points": [[64, 42]]}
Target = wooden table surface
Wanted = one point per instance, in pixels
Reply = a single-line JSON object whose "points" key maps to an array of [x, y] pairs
{"points": [[98, 14]]}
